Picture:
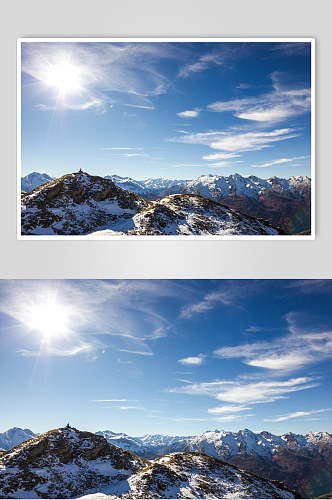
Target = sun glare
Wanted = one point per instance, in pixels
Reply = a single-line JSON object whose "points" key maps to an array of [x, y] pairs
{"points": [[49, 318], [65, 76]]}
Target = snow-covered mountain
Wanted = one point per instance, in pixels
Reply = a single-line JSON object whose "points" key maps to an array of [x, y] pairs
{"points": [[195, 475], [14, 436], [303, 462], [66, 463], [79, 203], [190, 214], [148, 446], [216, 187], [82, 204], [286, 203], [33, 180], [219, 443], [149, 188]]}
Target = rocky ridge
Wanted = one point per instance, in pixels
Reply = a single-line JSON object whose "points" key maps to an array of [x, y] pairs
{"points": [[301, 461], [285, 203], [78, 203], [66, 463], [82, 204]]}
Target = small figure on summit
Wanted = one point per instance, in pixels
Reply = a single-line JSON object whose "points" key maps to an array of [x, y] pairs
{"points": [[80, 171]]}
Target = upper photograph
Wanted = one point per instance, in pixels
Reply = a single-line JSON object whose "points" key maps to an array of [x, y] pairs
{"points": [[165, 138]]}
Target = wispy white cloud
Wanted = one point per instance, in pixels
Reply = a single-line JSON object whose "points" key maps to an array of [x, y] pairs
{"points": [[208, 302], [125, 408], [193, 360], [218, 57], [252, 141], [278, 105], [78, 106], [140, 353], [130, 155], [110, 72], [219, 164], [243, 86], [281, 161], [308, 286], [228, 409], [220, 156], [287, 353], [291, 48], [235, 142], [254, 392], [151, 108], [230, 418], [192, 113], [225, 418], [121, 315], [226, 294], [65, 349], [296, 414], [254, 329]]}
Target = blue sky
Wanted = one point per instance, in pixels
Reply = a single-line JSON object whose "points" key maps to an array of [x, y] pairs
{"points": [[175, 110], [172, 356]]}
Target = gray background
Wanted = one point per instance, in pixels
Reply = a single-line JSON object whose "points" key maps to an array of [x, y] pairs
{"points": [[168, 259]]}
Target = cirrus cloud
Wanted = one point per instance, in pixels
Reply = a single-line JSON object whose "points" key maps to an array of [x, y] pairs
{"points": [[287, 353], [296, 414], [235, 142], [275, 106], [241, 393]]}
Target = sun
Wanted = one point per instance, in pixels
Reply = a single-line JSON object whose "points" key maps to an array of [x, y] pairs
{"points": [[64, 76], [49, 318]]}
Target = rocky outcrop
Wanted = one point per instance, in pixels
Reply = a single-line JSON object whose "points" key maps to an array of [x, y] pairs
{"points": [[67, 463], [190, 214], [77, 204], [64, 463]]}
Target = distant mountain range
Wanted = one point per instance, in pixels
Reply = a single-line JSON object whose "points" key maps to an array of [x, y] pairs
{"points": [[82, 204], [285, 203], [67, 463], [14, 436], [33, 180], [302, 462]]}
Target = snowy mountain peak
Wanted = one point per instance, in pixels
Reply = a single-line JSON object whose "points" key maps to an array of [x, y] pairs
{"points": [[65, 462], [14, 436], [79, 203], [196, 475], [285, 203], [34, 180]]}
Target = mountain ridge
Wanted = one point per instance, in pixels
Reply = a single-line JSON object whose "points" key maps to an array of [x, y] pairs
{"points": [[284, 202], [302, 462], [67, 462], [83, 204]]}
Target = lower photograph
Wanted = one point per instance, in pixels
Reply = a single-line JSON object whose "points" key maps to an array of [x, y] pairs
{"points": [[166, 389]]}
